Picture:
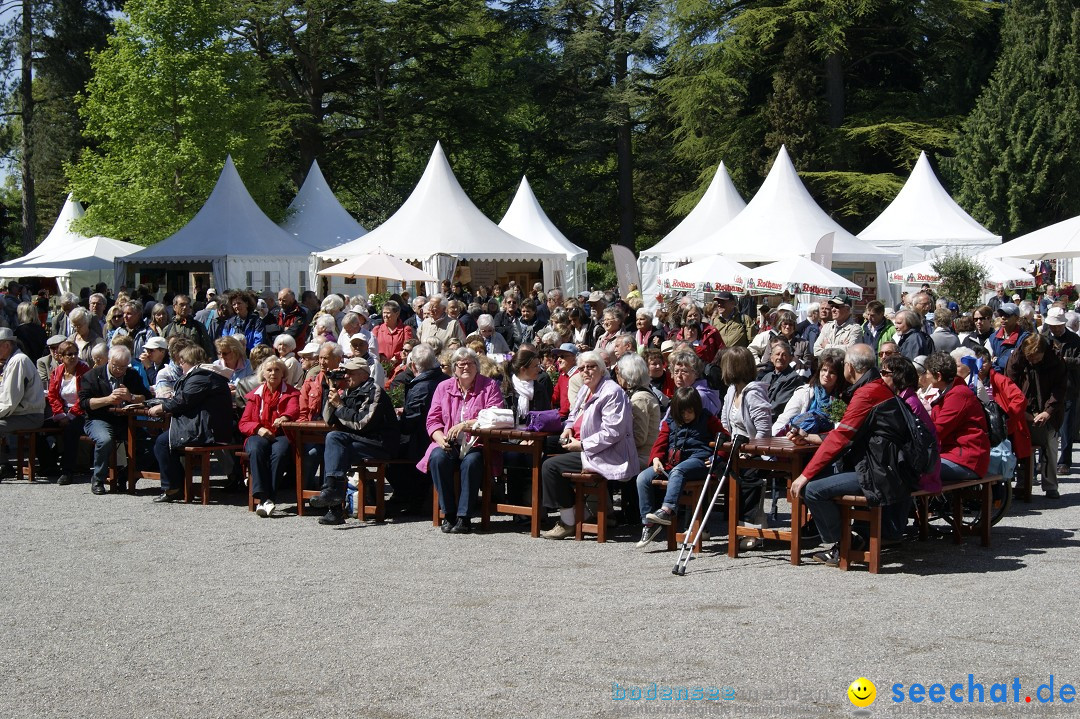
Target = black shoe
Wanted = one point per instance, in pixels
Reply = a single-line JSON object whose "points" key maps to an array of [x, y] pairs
{"points": [[63, 480], [463, 526], [328, 497], [97, 488], [830, 557], [165, 497], [1052, 494], [334, 516], [447, 525]]}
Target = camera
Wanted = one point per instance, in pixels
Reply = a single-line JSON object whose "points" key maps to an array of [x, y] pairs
{"points": [[336, 375]]}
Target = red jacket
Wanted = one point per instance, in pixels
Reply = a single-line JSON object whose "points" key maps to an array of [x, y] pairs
{"points": [[53, 395], [392, 341], [560, 395], [311, 393], [710, 343], [1012, 400], [864, 400], [260, 413], [961, 428]]}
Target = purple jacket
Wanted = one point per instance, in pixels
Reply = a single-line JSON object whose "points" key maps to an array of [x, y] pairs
{"points": [[607, 431], [931, 481], [446, 407]]}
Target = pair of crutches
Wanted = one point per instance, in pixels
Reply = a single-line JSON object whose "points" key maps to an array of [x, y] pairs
{"points": [[688, 544]]}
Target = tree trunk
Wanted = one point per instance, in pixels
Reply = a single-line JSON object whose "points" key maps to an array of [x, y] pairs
{"points": [[26, 95], [834, 89], [623, 140]]}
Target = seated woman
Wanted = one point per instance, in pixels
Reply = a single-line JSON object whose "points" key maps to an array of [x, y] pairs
{"points": [[702, 336], [246, 323], [324, 329], [802, 353], [249, 383], [525, 388], [232, 355], [454, 408], [808, 408], [746, 412], [959, 421], [679, 454], [269, 452], [687, 370], [63, 399], [599, 437], [285, 347], [1009, 397], [632, 374]]}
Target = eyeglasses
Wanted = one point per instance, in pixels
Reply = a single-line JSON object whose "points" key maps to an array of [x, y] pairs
{"points": [[978, 318], [70, 354], [463, 365], [589, 367], [887, 353], [885, 373]]}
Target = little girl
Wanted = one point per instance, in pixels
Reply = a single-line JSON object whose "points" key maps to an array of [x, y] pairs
{"points": [[679, 454]]}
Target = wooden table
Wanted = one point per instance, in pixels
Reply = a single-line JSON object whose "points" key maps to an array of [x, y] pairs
{"points": [[513, 440], [137, 420], [302, 433], [787, 458]]}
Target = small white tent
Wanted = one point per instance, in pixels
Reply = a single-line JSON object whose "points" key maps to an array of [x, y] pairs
{"points": [[526, 220], [231, 237], [923, 219], [718, 206], [438, 225], [75, 260]]}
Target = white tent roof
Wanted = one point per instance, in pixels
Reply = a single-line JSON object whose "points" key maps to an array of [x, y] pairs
{"points": [[379, 265], [90, 254], [923, 213], [781, 220], [1060, 240], [60, 237], [526, 219], [317, 218], [230, 224], [999, 273], [718, 206], [439, 218], [800, 276]]}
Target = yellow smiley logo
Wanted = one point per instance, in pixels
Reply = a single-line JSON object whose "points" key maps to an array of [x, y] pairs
{"points": [[862, 692]]}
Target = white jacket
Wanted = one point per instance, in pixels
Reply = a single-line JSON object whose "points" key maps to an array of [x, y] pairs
{"points": [[799, 403], [21, 392]]}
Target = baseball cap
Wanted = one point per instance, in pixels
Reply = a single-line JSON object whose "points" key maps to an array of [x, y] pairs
{"points": [[568, 347], [725, 296], [596, 297], [355, 363], [920, 363], [55, 340], [311, 348], [156, 343], [667, 346], [1055, 317], [1008, 308], [839, 301]]}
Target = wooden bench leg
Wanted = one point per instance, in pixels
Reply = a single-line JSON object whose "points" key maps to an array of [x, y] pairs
{"points": [[601, 512], [189, 468], [957, 517], [205, 477], [579, 514], [874, 559], [987, 506], [845, 537]]}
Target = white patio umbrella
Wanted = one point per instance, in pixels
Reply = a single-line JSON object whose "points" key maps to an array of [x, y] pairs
{"points": [[378, 264], [800, 276], [712, 274], [1001, 274], [1058, 241]]}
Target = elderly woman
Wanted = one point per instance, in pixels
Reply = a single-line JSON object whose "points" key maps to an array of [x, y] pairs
{"points": [[632, 374], [392, 333], [525, 388], [244, 385], [702, 336], [324, 329], [285, 347], [687, 370], [599, 437], [84, 334], [451, 419], [63, 399], [274, 401], [233, 356], [159, 320], [959, 421], [494, 343], [808, 408], [646, 335], [245, 323], [612, 323], [802, 352], [30, 332], [748, 412]]}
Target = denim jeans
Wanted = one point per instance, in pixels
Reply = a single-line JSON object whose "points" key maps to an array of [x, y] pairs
{"points": [[442, 464], [690, 469], [269, 459], [105, 435], [953, 472], [310, 461], [170, 464], [819, 495], [343, 449]]}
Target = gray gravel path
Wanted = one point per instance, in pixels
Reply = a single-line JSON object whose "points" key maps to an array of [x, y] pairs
{"points": [[117, 607]]}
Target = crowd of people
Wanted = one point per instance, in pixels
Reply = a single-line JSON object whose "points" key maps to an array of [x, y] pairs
{"points": [[633, 394]]}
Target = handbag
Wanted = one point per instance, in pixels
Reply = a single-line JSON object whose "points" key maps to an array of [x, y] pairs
{"points": [[493, 418], [547, 420]]}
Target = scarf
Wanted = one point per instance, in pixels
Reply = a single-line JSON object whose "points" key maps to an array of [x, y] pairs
{"points": [[524, 389]]}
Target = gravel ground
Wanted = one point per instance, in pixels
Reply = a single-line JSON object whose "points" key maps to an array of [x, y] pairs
{"points": [[118, 607]]}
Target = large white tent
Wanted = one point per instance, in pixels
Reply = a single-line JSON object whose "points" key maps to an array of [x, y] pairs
{"points": [[75, 260], [438, 225], [923, 219], [781, 220], [526, 219], [1060, 240], [231, 236], [718, 206]]}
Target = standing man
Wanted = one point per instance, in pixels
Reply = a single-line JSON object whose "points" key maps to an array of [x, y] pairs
{"points": [[292, 318], [842, 331], [22, 396], [735, 329], [185, 325], [61, 325], [911, 340], [438, 325], [923, 303], [1067, 346], [877, 329], [417, 317], [1048, 299], [97, 304], [114, 384], [1007, 337]]}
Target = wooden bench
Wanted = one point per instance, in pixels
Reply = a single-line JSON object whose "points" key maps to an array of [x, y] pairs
{"points": [[201, 455], [856, 507], [589, 484], [691, 493], [26, 446]]}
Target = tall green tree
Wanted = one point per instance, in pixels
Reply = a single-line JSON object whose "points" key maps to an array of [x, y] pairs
{"points": [[1018, 154], [169, 99]]}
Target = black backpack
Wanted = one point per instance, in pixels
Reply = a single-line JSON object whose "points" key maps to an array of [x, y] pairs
{"points": [[918, 453], [997, 422]]}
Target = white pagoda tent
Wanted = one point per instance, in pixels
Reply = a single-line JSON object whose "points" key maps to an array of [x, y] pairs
{"points": [[231, 238], [317, 218], [783, 220], [438, 225], [72, 258], [526, 220], [717, 207], [923, 219]]}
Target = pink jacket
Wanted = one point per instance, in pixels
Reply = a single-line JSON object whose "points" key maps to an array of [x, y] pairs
{"points": [[607, 431], [447, 405]]}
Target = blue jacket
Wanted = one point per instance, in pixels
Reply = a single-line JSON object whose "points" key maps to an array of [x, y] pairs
{"points": [[252, 328]]}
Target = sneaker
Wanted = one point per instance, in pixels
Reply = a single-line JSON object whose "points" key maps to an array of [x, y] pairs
{"points": [[559, 531], [265, 508], [648, 533], [663, 516], [830, 557]]}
